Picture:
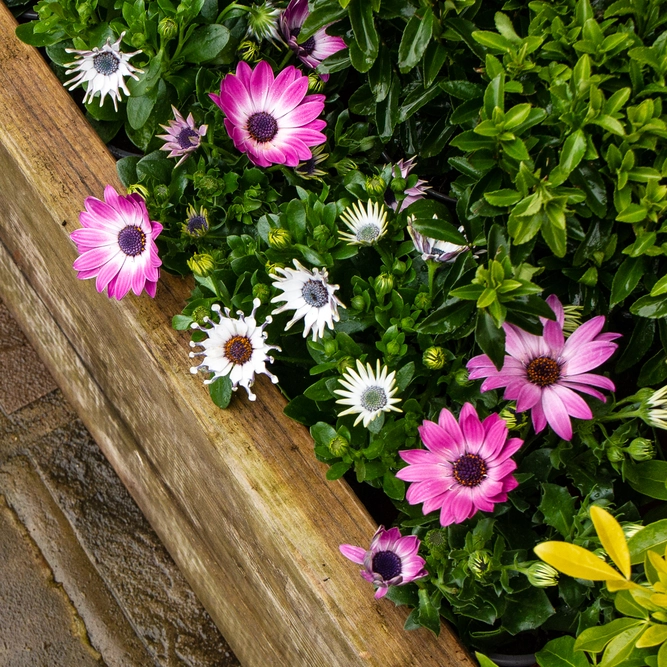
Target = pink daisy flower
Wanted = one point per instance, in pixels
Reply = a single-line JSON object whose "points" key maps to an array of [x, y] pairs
{"points": [[412, 194], [117, 244], [467, 466], [543, 373], [272, 120], [316, 48], [391, 560], [183, 136]]}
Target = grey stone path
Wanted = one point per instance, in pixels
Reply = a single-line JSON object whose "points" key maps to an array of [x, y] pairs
{"points": [[84, 580]]}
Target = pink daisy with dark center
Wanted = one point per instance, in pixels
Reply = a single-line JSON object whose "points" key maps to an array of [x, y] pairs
{"points": [[117, 244], [466, 466], [543, 373], [391, 560], [271, 119], [316, 48], [403, 168], [183, 136]]}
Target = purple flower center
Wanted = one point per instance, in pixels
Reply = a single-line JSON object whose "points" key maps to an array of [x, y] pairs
{"points": [[308, 46], [197, 223], [185, 138], [132, 240], [238, 349], [543, 371], [387, 564], [106, 63], [262, 126], [315, 293], [389, 197], [469, 470]]}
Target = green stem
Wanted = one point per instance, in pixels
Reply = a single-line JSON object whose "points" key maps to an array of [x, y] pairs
{"points": [[621, 415], [432, 268], [229, 8]]}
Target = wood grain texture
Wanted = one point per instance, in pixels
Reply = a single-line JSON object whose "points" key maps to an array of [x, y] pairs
{"points": [[237, 495]]}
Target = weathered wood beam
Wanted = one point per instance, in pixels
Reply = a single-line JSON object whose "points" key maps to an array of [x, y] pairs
{"points": [[236, 496]]}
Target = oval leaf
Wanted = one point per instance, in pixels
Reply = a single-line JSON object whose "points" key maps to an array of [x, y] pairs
{"points": [[575, 561], [612, 537]]}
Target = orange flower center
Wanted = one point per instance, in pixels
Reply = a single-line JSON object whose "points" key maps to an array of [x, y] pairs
{"points": [[543, 371], [238, 349]]}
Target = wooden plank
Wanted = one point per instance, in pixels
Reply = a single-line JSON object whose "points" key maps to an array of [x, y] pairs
{"points": [[236, 496]]}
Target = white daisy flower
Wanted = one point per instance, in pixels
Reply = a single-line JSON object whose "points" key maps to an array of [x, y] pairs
{"points": [[103, 70], [311, 297], [367, 226], [368, 393], [657, 409], [234, 347]]}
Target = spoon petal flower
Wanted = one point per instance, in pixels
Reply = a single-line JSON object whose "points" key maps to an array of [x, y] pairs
{"points": [[272, 119]]}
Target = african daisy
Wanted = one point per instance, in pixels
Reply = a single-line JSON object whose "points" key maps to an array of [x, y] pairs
{"points": [[367, 225], [417, 191], [466, 466], [183, 136], [433, 249], [273, 120], [543, 373], [117, 244]]}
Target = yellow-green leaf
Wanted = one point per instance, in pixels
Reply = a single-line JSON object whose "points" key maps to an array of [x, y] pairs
{"points": [[576, 561], [613, 540], [662, 656], [654, 635], [621, 585]]}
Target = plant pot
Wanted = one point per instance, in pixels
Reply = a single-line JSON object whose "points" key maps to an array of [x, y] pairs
{"points": [[506, 660], [237, 496]]}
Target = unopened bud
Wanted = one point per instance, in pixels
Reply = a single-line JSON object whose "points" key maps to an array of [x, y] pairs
{"points": [[436, 541], [615, 454], [478, 563], [321, 233], [399, 267], [168, 28], [270, 267], [358, 302], [201, 264], [393, 348], [248, 50], [262, 292], [208, 185], [434, 358], [330, 347], [280, 238], [423, 301], [137, 187], [339, 445], [398, 184], [408, 324], [375, 185], [138, 39], [384, 283], [161, 193], [199, 313], [315, 83], [344, 364], [542, 575], [641, 449], [461, 378]]}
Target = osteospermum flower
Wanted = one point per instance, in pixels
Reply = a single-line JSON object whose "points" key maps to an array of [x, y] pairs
{"points": [[117, 244], [656, 404], [417, 191], [310, 168], [263, 22], [543, 373], [368, 393], [103, 70], [183, 136], [196, 223], [391, 560], [316, 48], [433, 249], [367, 225], [466, 466], [234, 347], [272, 120], [310, 295]]}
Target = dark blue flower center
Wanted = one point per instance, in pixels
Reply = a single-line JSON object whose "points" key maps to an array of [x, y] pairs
{"points": [[185, 137], [373, 398], [387, 564], [132, 240], [197, 223], [389, 197], [315, 293], [262, 126], [543, 371], [238, 349], [308, 46], [469, 470], [106, 63]]}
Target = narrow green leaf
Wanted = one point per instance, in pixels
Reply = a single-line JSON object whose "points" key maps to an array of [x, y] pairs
{"points": [[414, 41]]}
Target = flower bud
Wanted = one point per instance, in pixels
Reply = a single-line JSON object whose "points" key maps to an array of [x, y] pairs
{"points": [[270, 267], [344, 364], [339, 445], [393, 348], [208, 185], [375, 185], [384, 283], [199, 313], [542, 575], [436, 541], [248, 50], [508, 415], [399, 267], [201, 264], [434, 358], [478, 563], [461, 378], [321, 233], [423, 301], [161, 193], [138, 39], [330, 347], [262, 292], [398, 185], [358, 302], [279, 238], [315, 83], [408, 324], [345, 166], [168, 28], [631, 529], [615, 454], [137, 187], [641, 449]]}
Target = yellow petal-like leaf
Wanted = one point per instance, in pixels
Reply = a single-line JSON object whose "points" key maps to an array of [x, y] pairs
{"points": [[653, 636], [659, 599], [576, 561], [658, 563], [621, 585], [613, 539]]}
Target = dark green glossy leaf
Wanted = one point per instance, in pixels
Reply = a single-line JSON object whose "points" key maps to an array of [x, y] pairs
{"points": [[638, 345], [448, 318], [322, 15], [365, 48], [490, 338], [386, 112], [648, 478], [429, 616], [205, 43], [626, 279], [221, 391], [434, 58], [393, 487], [654, 371], [653, 537], [650, 306], [414, 41], [527, 611], [379, 76], [557, 506], [560, 653]]}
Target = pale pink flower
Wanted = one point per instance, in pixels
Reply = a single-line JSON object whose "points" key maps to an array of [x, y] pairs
{"points": [[117, 244], [543, 373], [183, 136], [271, 119], [316, 48], [466, 468], [391, 560], [416, 192]]}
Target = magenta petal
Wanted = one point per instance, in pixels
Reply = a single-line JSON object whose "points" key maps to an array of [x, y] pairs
{"points": [[109, 271], [355, 554], [260, 83], [420, 472], [588, 356], [529, 395], [462, 507], [93, 259], [555, 305], [574, 404], [302, 115], [553, 336], [291, 97], [417, 456], [585, 333], [538, 417], [381, 592], [556, 413], [447, 422]]}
